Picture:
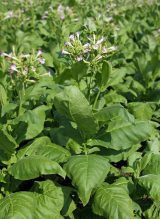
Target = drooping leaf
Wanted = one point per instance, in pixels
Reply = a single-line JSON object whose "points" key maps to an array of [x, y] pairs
{"points": [[79, 70], [34, 166], [71, 103], [86, 172], [153, 166], [6, 108], [112, 201]]}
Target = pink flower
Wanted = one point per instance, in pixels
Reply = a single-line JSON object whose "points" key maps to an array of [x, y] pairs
{"points": [[2, 53], [108, 19], [104, 50], [159, 30], [67, 7], [65, 52], [59, 8], [95, 46], [62, 17], [24, 72], [39, 53], [33, 68], [76, 19], [43, 16], [71, 37], [22, 22], [42, 61], [13, 68], [156, 35], [79, 58], [48, 73], [46, 12], [77, 34], [50, 7]]}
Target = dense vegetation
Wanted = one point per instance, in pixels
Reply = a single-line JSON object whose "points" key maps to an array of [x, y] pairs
{"points": [[79, 106]]}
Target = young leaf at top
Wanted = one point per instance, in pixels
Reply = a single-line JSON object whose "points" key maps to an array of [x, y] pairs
{"points": [[71, 103]]}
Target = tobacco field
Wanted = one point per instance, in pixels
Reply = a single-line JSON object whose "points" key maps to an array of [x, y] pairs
{"points": [[80, 109]]}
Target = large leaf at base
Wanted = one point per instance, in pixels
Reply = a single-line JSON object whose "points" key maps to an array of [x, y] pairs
{"points": [[18, 205], [112, 111], [120, 134], [7, 142], [113, 202], [49, 199], [142, 110], [86, 172], [71, 103], [151, 184], [34, 166]]}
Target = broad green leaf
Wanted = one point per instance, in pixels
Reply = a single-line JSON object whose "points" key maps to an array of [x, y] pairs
{"points": [[142, 110], [69, 204], [145, 160], [152, 145], [29, 117], [148, 42], [7, 142], [151, 183], [114, 97], [116, 77], [120, 134], [127, 184], [54, 152], [32, 148], [79, 70], [113, 202], [153, 167], [106, 73], [6, 108], [34, 166], [150, 210], [86, 172], [133, 158], [65, 75], [143, 65], [18, 205], [71, 103], [49, 199], [48, 59], [154, 96], [112, 111], [26, 131], [3, 94]]}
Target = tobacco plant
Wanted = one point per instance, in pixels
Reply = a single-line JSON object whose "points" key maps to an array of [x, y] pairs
{"points": [[79, 106]]}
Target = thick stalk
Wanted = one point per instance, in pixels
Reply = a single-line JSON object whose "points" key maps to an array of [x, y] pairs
{"points": [[20, 107]]}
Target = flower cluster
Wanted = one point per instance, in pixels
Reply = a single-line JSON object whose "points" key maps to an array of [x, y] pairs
{"points": [[25, 65], [92, 51]]}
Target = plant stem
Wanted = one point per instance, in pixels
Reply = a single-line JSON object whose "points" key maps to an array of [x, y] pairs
{"points": [[96, 98], [20, 106]]}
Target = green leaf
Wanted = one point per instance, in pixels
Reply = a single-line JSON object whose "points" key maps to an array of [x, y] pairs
{"points": [[142, 110], [151, 184], [86, 172], [65, 75], [145, 160], [153, 166], [49, 199], [18, 205], [113, 97], [3, 94], [27, 131], [113, 202], [120, 134], [106, 73], [29, 117], [116, 77], [7, 107], [7, 142], [34, 166], [71, 103], [112, 111], [79, 70], [54, 152], [48, 59]]}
